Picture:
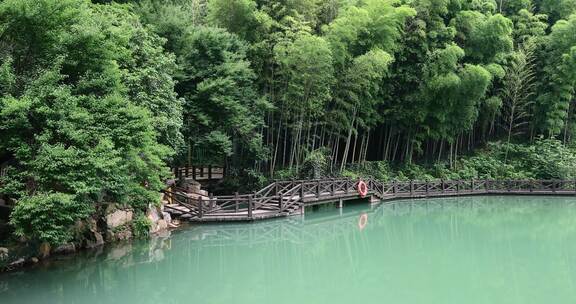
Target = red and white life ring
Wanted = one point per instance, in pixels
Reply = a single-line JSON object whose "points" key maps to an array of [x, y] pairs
{"points": [[363, 221], [362, 188]]}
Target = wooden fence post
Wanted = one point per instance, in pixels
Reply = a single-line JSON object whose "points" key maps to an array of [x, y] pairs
{"points": [[318, 189], [394, 187], [472, 186], [250, 197], [200, 207], [193, 172], [209, 172], [332, 186], [236, 202], [442, 185], [458, 187], [212, 202], [411, 188]]}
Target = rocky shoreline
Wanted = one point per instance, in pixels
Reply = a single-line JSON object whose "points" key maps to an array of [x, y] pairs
{"points": [[112, 224]]}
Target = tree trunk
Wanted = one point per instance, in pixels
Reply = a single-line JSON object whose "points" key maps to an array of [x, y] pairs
{"points": [[348, 139]]}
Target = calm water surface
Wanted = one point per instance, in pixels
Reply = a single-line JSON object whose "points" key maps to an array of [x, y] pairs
{"points": [[464, 250]]}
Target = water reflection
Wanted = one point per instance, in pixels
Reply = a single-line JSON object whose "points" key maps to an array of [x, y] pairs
{"points": [[459, 250]]}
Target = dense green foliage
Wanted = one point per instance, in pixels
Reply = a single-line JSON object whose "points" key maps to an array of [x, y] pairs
{"points": [[99, 98], [545, 160], [87, 104], [48, 217]]}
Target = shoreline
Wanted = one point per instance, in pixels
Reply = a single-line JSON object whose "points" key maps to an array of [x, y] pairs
{"points": [[28, 257]]}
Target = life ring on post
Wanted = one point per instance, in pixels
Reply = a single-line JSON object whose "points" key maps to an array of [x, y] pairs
{"points": [[362, 188], [362, 221]]}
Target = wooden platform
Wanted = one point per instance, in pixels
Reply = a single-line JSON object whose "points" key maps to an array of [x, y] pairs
{"points": [[285, 198]]}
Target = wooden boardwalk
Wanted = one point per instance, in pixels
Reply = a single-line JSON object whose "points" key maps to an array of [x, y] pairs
{"points": [[285, 198]]}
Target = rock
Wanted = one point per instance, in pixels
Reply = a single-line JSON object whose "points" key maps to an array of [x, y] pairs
{"points": [[192, 186], [120, 235], [65, 249], [110, 236], [118, 218], [3, 253], [123, 235], [34, 260], [92, 237], [95, 239], [161, 225], [19, 262], [167, 217], [159, 219], [153, 214], [44, 250]]}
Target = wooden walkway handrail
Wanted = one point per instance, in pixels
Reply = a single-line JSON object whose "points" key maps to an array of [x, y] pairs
{"points": [[200, 173], [282, 198]]}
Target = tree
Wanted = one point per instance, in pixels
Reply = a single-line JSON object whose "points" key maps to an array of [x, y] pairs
{"points": [[558, 78], [557, 9], [240, 17], [358, 96], [149, 77], [68, 127], [485, 39], [518, 91], [221, 101], [307, 72]]}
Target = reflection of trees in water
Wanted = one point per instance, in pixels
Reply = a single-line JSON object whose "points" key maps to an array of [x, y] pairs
{"points": [[96, 269], [482, 212], [543, 215], [328, 241]]}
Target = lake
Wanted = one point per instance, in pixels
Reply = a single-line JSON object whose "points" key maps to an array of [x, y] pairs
{"points": [[450, 250]]}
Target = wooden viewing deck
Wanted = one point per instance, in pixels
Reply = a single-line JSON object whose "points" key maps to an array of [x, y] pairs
{"points": [[284, 198]]}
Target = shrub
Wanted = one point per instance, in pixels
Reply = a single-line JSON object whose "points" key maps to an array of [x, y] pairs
{"points": [[552, 160], [316, 164], [141, 226], [241, 181], [48, 217]]}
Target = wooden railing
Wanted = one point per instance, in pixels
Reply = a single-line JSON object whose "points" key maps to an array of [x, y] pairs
{"points": [[283, 198], [200, 173]]}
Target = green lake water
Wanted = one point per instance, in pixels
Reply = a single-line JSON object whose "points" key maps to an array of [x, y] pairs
{"points": [[461, 251]]}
